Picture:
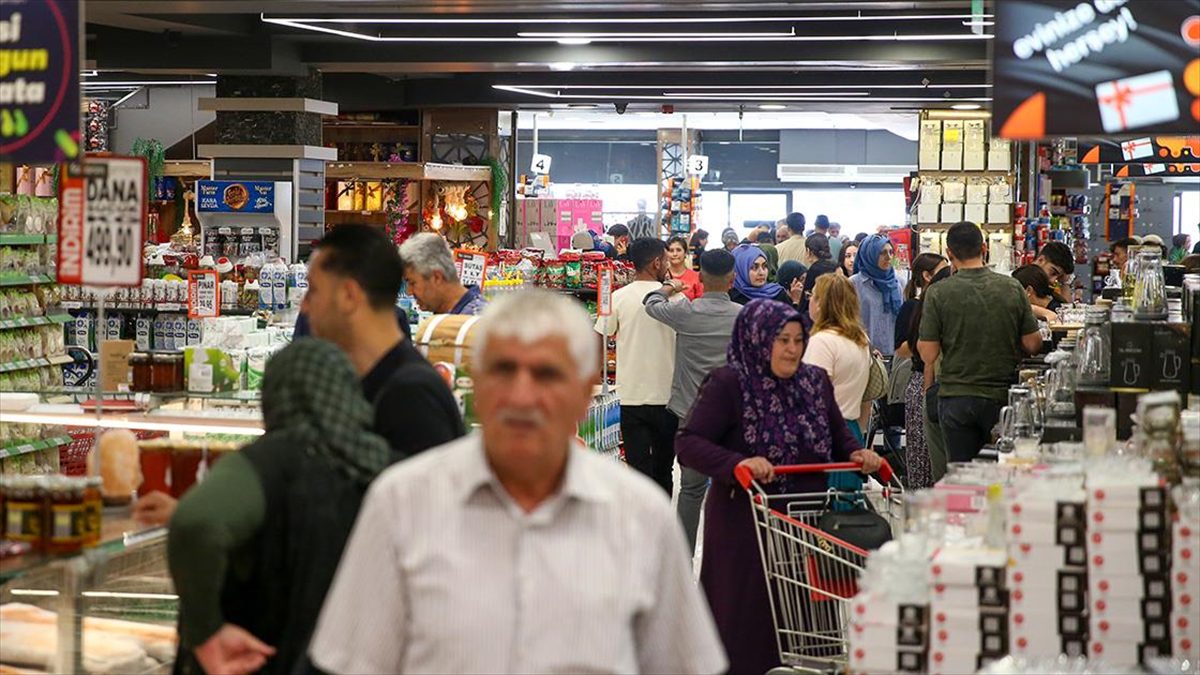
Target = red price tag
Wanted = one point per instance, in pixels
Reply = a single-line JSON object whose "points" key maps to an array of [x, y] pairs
{"points": [[204, 294]]}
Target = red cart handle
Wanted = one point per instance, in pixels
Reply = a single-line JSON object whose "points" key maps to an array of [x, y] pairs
{"points": [[744, 476]]}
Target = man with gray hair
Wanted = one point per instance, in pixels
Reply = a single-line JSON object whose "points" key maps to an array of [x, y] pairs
{"points": [[517, 549], [433, 279]]}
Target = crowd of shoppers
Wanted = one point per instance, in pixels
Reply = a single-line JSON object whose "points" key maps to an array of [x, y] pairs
{"points": [[364, 533]]}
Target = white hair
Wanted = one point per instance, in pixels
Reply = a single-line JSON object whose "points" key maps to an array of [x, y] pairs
{"points": [[533, 315], [428, 253]]}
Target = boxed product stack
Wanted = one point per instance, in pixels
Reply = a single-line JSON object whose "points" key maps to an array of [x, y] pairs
{"points": [[1185, 570], [1048, 571], [1128, 568], [887, 637], [969, 609]]}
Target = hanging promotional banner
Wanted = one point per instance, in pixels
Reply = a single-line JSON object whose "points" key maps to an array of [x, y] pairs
{"points": [[204, 294], [1182, 150], [604, 290], [1095, 67], [471, 266], [39, 81], [102, 205]]}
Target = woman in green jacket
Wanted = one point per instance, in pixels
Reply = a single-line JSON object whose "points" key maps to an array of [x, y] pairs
{"points": [[253, 548]]}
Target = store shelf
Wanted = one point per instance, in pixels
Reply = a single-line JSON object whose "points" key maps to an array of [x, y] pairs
{"points": [[25, 280], [33, 446], [201, 422], [117, 532], [39, 362], [27, 239], [173, 307], [34, 321], [409, 170]]}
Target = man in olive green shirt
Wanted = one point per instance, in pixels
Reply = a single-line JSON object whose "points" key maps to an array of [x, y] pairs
{"points": [[981, 325]]}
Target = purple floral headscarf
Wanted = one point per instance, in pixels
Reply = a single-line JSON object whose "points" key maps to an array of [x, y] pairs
{"points": [[786, 421]]}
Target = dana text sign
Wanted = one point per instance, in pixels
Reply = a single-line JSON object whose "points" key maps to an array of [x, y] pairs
{"points": [[102, 213]]}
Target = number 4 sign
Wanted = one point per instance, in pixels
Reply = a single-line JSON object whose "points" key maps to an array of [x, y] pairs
{"points": [[540, 165], [102, 212]]}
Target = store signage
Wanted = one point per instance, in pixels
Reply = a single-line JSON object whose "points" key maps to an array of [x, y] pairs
{"points": [[204, 294], [471, 266], [39, 80], [102, 213], [540, 166], [604, 290], [697, 165], [235, 196], [1087, 67], [1181, 150]]}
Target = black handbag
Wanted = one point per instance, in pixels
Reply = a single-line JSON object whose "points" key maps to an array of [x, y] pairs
{"points": [[931, 402], [860, 526]]}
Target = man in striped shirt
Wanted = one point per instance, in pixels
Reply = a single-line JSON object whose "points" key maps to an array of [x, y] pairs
{"points": [[518, 550]]}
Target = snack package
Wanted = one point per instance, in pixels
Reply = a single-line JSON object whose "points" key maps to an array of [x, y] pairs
{"points": [[256, 366]]}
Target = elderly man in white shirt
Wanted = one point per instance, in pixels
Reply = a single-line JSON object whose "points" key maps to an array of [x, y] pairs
{"points": [[518, 550]]}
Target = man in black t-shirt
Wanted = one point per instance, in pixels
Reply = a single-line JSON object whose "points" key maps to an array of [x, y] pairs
{"points": [[354, 276]]}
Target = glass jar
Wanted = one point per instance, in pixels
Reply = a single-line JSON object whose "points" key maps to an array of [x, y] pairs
{"points": [[66, 515], [93, 510], [1095, 348], [167, 373], [154, 457], [139, 366], [25, 510], [1149, 287]]}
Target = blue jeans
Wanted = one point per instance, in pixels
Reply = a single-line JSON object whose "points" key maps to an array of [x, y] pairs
{"points": [[967, 423]]}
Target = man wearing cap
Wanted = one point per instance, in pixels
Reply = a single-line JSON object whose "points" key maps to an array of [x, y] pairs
{"points": [[702, 331]]}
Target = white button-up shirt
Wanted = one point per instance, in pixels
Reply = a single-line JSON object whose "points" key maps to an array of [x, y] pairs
{"points": [[444, 573]]}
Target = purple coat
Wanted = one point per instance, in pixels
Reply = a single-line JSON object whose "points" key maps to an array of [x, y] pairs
{"points": [[712, 442]]}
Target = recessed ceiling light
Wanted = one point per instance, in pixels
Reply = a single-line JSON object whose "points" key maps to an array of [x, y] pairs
{"points": [[772, 106], [966, 106], [979, 23], [574, 41], [562, 66], [583, 106]]}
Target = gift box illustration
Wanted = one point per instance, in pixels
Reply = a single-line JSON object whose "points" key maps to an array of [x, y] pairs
{"points": [[1137, 148], [1134, 102]]}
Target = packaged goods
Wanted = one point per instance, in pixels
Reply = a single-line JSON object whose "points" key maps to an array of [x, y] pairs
{"points": [[256, 366]]}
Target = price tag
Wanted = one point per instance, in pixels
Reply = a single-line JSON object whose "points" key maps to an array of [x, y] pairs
{"points": [[604, 290], [697, 165], [540, 166], [471, 266], [102, 211], [204, 294]]}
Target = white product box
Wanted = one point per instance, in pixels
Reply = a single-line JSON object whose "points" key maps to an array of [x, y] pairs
{"points": [[1033, 599], [929, 159], [958, 566], [999, 214], [1116, 652], [1024, 555], [1117, 628], [974, 160], [975, 213], [1033, 532], [1033, 579], [1000, 192], [1108, 518], [961, 635], [1114, 587], [974, 135], [928, 213], [930, 135], [952, 213], [999, 155], [952, 136], [1024, 642], [944, 595], [865, 658], [1135, 494], [875, 636], [977, 193], [874, 610], [933, 242], [942, 616], [947, 661], [952, 160]]}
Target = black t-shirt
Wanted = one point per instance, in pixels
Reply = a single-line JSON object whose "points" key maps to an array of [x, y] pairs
{"points": [[906, 327], [414, 409]]}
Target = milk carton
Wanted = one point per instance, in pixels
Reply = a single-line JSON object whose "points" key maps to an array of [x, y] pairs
{"points": [[179, 336], [194, 333], [143, 326]]}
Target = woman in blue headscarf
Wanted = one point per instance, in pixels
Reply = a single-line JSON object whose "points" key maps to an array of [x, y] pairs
{"points": [[751, 271], [878, 292]]}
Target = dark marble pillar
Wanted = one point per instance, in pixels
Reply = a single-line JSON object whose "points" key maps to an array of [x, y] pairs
{"points": [[268, 127]]}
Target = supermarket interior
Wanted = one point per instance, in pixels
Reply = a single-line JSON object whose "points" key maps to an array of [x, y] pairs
{"points": [[979, 220]]}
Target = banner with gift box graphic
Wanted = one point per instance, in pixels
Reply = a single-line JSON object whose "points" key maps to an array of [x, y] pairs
{"points": [[1146, 156], [1077, 68]]}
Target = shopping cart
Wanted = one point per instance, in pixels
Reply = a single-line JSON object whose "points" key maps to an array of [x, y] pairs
{"points": [[811, 575]]}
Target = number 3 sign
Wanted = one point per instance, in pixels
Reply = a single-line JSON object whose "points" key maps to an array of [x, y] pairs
{"points": [[697, 165]]}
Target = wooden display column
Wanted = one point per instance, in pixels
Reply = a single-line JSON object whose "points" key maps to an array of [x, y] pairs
{"points": [[467, 136]]}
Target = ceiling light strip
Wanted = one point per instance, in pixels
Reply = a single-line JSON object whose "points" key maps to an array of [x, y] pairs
{"points": [[735, 97], [769, 87], [621, 20], [676, 35]]}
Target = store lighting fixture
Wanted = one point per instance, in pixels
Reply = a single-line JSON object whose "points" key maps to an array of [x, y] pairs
{"points": [[832, 96], [144, 83], [974, 23], [672, 36], [573, 41], [316, 25], [772, 106], [582, 106], [966, 106], [114, 595], [770, 96], [741, 18], [562, 67], [770, 87], [251, 426]]}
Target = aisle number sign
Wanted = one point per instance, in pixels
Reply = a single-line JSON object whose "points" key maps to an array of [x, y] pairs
{"points": [[604, 290], [471, 266], [102, 210], [540, 165], [697, 165], [204, 294]]}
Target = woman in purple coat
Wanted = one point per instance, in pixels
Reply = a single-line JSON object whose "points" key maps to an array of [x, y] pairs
{"points": [[765, 408]]}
